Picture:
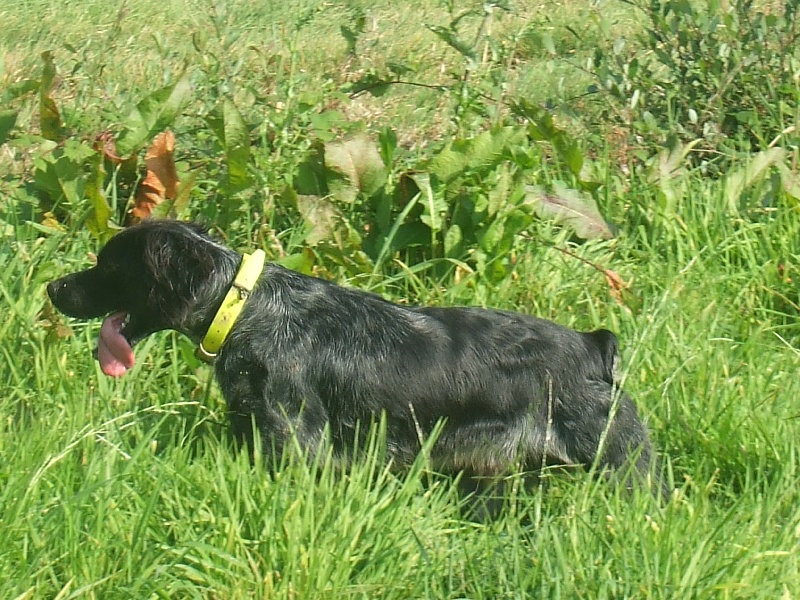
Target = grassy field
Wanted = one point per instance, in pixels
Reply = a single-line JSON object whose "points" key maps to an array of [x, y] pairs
{"points": [[130, 488]]}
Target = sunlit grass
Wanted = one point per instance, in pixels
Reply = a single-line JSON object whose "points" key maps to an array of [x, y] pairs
{"points": [[132, 488]]}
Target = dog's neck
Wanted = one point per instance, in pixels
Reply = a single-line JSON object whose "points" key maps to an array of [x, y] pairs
{"points": [[250, 270]]}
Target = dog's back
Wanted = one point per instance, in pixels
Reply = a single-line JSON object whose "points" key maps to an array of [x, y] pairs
{"points": [[307, 356]]}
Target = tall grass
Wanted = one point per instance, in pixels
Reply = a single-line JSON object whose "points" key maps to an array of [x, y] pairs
{"points": [[131, 488]]}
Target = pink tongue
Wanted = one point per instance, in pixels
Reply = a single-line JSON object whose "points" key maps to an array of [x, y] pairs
{"points": [[113, 350]]}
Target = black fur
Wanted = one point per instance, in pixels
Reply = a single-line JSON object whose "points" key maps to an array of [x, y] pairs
{"points": [[307, 355]]}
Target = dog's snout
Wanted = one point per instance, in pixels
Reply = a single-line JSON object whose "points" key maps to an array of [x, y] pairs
{"points": [[81, 295], [68, 297], [53, 288]]}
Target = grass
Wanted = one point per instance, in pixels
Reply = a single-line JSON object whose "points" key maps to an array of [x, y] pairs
{"points": [[115, 52], [130, 488]]}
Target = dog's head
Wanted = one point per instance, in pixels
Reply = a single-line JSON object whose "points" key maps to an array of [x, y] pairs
{"points": [[160, 274]]}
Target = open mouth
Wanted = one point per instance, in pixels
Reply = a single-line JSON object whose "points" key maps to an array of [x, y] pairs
{"points": [[114, 351]]}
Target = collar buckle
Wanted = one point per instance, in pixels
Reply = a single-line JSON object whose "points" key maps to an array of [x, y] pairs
{"points": [[204, 355], [250, 270]]}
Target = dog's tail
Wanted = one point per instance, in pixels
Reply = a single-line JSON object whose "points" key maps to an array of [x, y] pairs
{"points": [[627, 433], [605, 343]]}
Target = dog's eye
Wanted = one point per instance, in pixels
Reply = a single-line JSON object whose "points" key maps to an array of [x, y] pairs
{"points": [[106, 266]]}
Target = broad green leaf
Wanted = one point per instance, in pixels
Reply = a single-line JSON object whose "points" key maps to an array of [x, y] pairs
{"points": [[450, 162], [409, 235], [48, 73], [153, 115], [371, 83], [452, 240], [433, 205], [70, 180], [237, 147], [324, 221], [172, 209], [326, 123], [383, 211], [570, 153], [216, 122], [526, 109], [302, 262], [500, 191], [311, 173], [387, 139], [49, 117], [78, 152], [489, 148], [496, 270], [543, 129], [516, 220], [60, 173], [100, 213], [758, 165], [60, 179], [548, 43], [359, 163], [408, 195], [498, 238], [570, 207], [45, 179], [789, 181], [492, 236], [672, 160], [8, 118], [18, 89], [482, 152], [181, 201], [320, 216], [450, 37]]}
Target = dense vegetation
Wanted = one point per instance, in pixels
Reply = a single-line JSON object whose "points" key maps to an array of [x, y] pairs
{"points": [[628, 165]]}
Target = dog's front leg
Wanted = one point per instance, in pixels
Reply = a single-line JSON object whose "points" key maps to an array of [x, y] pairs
{"points": [[623, 444], [628, 452], [278, 417]]}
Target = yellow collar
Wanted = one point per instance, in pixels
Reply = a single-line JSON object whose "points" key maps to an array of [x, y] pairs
{"points": [[246, 278]]}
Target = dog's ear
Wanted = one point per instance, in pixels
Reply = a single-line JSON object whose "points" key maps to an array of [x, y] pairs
{"points": [[180, 260], [178, 252], [199, 227], [606, 345]]}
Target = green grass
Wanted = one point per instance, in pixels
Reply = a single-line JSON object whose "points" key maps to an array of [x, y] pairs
{"points": [[112, 53], [130, 488]]}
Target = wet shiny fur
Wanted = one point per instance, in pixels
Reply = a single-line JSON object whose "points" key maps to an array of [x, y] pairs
{"points": [[321, 362]]}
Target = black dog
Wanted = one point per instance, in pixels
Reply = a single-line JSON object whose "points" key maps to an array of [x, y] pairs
{"points": [[306, 357]]}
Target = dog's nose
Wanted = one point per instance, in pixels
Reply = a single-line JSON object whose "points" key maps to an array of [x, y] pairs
{"points": [[53, 287]]}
